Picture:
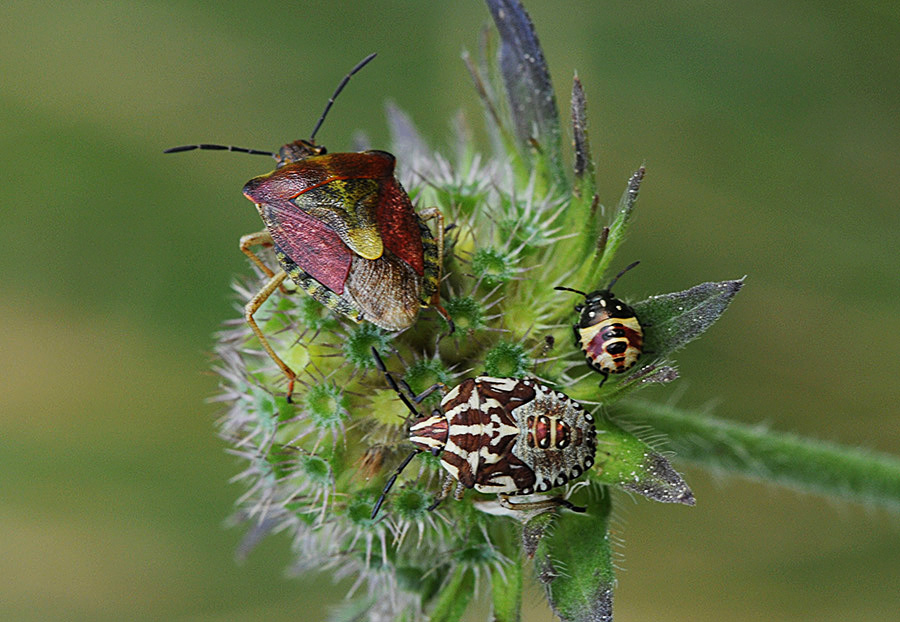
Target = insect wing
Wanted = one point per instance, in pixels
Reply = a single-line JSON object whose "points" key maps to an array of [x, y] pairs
{"points": [[309, 243], [398, 224], [371, 205], [342, 190]]}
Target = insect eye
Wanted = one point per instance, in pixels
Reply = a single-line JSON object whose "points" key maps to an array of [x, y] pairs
{"points": [[578, 308]]}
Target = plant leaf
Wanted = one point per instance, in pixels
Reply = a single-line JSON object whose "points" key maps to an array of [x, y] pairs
{"points": [[454, 596], [627, 462], [405, 138], [534, 530], [583, 212], [619, 226], [654, 373], [584, 162], [672, 320], [762, 454], [352, 610], [506, 593], [574, 562], [528, 86], [501, 135]]}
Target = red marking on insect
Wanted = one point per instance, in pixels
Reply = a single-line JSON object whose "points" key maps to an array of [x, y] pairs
{"points": [[344, 229]]}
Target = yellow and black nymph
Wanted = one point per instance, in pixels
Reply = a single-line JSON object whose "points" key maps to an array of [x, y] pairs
{"points": [[608, 331]]}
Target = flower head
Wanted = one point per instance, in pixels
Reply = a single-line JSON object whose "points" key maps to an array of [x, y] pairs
{"points": [[515, 226]]}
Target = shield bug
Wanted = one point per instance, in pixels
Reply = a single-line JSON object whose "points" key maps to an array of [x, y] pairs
{"points": [[506, 436], [608, 331], [345, 231]]}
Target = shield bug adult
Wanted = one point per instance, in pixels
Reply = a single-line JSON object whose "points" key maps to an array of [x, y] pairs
{"points": [[608, 331], [506, 436], [345, 231]]}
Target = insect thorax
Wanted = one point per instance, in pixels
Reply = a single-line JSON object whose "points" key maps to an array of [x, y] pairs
{"points": [[601, 305], [298, 150]]}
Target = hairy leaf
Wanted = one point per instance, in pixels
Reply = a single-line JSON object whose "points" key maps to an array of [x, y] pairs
{"points": [[672, 320], [760, 453], [506, 593], [535, 529], [615, 234], [625, 461], [405, 138], [528, 87], [584, 163], [574, 562], [654, 373]]}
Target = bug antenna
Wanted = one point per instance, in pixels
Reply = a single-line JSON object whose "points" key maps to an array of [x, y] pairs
{"points": [[337, 92], [624, 270], [220, 148], [393, 383], [390, 483], [569, 289]]}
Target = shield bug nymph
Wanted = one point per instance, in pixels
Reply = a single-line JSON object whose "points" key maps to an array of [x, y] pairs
{"points": [[506, 436], [344, 229], [608, 331]]}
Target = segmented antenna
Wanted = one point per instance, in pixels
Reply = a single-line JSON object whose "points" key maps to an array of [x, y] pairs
{"points": [[393, 384], [390, 484], [608, 287], [220, 148], [337, 92], [624, 270], [321, 120], [569, 289]]}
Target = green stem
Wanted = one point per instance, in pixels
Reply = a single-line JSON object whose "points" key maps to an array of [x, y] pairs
{"points": [[787, 459], [506, 586], [454, 596]]}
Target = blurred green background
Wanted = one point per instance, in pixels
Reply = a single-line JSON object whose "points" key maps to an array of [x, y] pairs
{"points": [[771, 133]]}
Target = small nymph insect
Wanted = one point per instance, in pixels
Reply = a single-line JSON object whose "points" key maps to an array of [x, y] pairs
{"points": [[506, 436], [608, 331], [345, 231]]}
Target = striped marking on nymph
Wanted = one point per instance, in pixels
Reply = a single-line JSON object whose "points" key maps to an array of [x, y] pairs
{"points": [[465, 431], [500, 429], [480, 436], [478, 427], [429, 434]]}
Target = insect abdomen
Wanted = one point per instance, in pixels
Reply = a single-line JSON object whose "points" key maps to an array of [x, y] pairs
{"points": [[613, 345]]}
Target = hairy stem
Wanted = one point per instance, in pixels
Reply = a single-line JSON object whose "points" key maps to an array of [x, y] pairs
{"points": [[787, 459]]}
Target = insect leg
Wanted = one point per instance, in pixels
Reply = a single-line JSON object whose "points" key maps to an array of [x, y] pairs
{"points": [[540, 505], [252, 307], [605, 375], [260, 238], [390, 483], [445, 492]]}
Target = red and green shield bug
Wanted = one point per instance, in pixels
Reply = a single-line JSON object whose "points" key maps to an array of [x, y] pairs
{"points": [[608, 331], [344, 229], [503, 436]]}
